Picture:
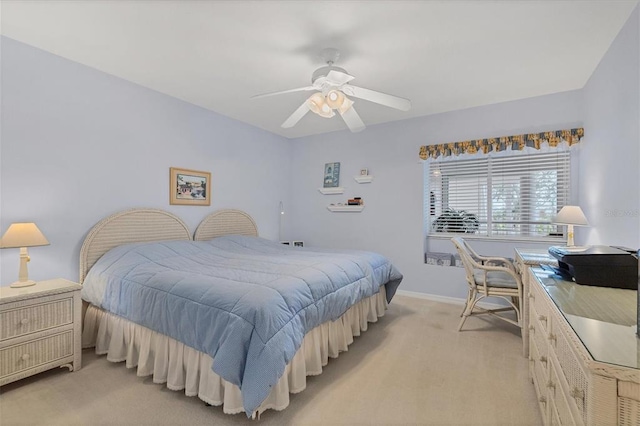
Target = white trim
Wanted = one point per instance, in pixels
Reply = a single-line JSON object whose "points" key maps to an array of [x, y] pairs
{"points": [[506, 239], [332, 190], [346, 208], [433, 297], [444, 299], [363, 178]]}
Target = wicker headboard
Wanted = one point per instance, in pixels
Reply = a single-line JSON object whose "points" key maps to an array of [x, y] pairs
{"points": [[225, 222], [129, 226]]}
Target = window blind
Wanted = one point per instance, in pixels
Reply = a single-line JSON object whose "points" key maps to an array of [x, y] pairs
{"points": [[498, 196]]}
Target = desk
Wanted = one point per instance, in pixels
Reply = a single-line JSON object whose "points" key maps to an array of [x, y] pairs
{"points": [[526, 258]]}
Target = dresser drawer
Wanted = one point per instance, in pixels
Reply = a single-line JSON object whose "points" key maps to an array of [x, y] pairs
{"points": [[37, 317], [561, 401], [15, 359], [571, 370], [539, 303], [540, 376], [538, 332], [628, 404]]}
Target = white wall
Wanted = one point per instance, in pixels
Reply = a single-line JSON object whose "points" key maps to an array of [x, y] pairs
{"points": [[608, 168], [74, 139], [610, 172], [392, 221], [79, 144]]}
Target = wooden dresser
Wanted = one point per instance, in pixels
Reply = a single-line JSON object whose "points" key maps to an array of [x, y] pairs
{"points": [[40, 329], [584, 355]]}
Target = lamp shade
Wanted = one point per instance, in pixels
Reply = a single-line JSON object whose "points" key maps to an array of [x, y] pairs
{"points": [[23, 235], [570, 215], [318, 105], [335, 98]]}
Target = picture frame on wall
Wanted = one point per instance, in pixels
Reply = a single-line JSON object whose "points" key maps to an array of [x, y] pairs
{"points": [[298, 243], [189, 187], [331, 175]]}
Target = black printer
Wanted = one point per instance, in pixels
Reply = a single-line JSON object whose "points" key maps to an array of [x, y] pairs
{"points": [[601, 266]]}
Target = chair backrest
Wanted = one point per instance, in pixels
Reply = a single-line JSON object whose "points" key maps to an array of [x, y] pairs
{"points": [[467, 258], [475, 256]]}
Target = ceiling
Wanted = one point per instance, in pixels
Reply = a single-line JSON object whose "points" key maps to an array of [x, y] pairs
{"points": [[442, 55]]}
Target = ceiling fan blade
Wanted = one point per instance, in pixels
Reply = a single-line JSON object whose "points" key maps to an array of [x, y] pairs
{"points": [[353, 120], [299, 89], [296, 116], [377, 97], [339, 78]]}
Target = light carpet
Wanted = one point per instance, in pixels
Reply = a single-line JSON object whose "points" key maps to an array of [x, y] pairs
{"points": [[410, 368]]}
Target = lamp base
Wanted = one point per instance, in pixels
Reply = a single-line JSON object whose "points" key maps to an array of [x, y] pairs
{"points": [[18, 284]]}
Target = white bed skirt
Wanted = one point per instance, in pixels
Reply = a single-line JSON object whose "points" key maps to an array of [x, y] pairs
{"points": [[184, 368]]}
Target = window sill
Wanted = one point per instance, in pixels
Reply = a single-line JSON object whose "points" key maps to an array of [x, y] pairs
{"points": [[522, 239]]}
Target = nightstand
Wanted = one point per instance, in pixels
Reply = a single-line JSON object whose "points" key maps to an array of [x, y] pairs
{"points": [[40, 329]]}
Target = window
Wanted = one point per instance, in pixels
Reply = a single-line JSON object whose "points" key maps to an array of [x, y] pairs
{"points": [[506, 196]]}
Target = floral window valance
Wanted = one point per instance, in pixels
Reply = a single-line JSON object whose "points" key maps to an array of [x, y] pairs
{"points": [[516, 143]]}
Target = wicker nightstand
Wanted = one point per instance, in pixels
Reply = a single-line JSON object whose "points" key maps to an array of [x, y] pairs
{"points": [[40, 329]]}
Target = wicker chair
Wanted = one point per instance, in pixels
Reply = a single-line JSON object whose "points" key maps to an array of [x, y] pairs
{"points": [[489, 277]]}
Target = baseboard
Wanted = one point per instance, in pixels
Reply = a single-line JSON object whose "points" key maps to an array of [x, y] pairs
{"points": [[445, 299], [433, 297]]}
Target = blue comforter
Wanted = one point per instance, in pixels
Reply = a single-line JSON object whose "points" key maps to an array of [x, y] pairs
{"points": [[245, 301]]}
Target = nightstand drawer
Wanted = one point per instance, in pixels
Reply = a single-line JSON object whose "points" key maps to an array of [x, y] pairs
{"points": [[15, 359], [29, 319]]}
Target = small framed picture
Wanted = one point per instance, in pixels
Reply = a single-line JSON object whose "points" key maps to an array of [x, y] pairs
{"points": [[190, 187], [286, 243], [298, 243], [364, 172]]}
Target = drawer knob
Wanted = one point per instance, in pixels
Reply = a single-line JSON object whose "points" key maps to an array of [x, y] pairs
{"points": [[24, 321], [543, 359], [551, 385], [531, 296], [552, 337], [542, 318], [542, 399], [577, 393], [25, 357], [532, 328]]}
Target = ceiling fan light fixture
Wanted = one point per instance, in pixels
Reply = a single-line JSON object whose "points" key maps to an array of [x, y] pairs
{"points": [[332, 88], [317, 104], [335, 98]]}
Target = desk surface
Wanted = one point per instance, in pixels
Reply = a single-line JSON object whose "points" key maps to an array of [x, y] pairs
{"points": [[536, 257], [605, 319]]}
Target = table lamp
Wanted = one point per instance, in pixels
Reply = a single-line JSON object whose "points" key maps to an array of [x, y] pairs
{"points": [[570, 216], [23, 235]]}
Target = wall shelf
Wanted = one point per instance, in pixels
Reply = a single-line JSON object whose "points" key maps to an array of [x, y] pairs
{"points": [[352, 209], [331, 191], [363, 178]]}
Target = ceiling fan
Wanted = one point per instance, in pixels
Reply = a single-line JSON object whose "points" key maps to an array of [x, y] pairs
{"points": [[332, 88]]}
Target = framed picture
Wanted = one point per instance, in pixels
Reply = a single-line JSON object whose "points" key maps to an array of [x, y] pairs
{"points": [[364, 172], [298, 243], [331, 175], [189, 187]]}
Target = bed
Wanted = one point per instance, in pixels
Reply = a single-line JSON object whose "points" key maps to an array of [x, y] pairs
{"points": [[227, 316]]}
